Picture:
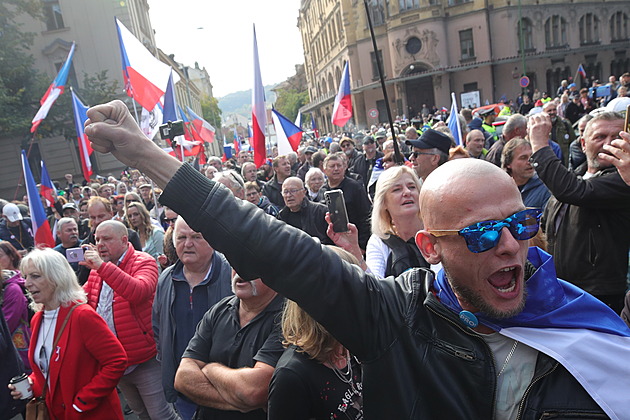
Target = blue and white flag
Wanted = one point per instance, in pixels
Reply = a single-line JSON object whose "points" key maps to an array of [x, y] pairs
{"points": [[566, 323], [453, 121]]}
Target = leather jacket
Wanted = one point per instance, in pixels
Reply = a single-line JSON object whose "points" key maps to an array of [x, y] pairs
{"points": [[419, 361]]}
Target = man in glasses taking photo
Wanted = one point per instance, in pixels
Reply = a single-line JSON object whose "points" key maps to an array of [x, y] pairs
{"points": [[493, 335]]}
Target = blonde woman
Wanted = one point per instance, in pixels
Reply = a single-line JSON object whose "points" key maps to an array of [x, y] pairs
{"points": [[151, 236], [316, 377]]}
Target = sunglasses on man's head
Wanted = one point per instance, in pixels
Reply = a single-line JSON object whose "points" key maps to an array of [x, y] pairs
{"points": [[482, 236]]}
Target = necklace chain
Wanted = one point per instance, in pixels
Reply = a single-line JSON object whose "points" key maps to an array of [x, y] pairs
{"points": [[507, 359]]}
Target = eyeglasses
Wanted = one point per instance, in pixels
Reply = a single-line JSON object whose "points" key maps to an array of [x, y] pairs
{"points": [[291, 192], [416, 154], [170, 221], [482, 236]]}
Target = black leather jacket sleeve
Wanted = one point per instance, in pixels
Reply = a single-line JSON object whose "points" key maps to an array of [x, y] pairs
{"points": [[344, 299]]}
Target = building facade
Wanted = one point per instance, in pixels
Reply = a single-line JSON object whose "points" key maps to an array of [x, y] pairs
{"points": [[430, 48], [89, 23]]}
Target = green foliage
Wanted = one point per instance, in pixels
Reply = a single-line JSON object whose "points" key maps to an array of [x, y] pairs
{"points": [[20, 84], [98, 89], [211, 112], [290, 101]]}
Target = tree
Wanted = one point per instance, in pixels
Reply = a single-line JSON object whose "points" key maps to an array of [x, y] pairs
{"points": [[98, 89], [20, 84], [211, 112], [290, 101]]}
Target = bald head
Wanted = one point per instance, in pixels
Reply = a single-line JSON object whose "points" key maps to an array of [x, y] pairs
{"points": [[459, 187], [117, 228]]}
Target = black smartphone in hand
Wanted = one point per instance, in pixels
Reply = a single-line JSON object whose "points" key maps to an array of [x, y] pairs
{"points": [[337, 209]]}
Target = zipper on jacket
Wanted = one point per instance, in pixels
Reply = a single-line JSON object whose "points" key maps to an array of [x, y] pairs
{"points": [[573, 414], [530, 386], [478, 337]]}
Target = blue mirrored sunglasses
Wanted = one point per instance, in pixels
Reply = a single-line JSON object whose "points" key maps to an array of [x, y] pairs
{"points": [[482, 236]]}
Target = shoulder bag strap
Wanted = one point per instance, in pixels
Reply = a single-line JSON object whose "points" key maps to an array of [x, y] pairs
{"points": [[63, 326]]}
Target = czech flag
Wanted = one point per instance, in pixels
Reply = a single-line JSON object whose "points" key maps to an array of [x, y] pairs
{"points": [[41, 228], [47, 188], [85, 149], [453, 121], [298, 120], [314, 126], [145, 76], [259, 112], [204, 128], [170, 102], [54, 91], [342, 110], [289, 135], [581, 71]]}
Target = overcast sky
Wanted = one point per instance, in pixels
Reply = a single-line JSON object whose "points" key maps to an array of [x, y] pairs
{"points": [[224, 44]]}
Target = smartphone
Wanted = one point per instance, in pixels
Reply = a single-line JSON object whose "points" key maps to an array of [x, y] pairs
{"points": [[626, 125], [74, 254], [337, 209]]}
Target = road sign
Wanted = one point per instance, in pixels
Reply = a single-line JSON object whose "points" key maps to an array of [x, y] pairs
{"points": [[373, 113], [524, 81]]}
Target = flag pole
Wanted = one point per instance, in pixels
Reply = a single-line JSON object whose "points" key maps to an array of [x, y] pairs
{"points": [[397, 155]]}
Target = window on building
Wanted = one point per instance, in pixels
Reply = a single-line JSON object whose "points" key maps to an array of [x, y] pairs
{"points": [[619, 27], [456, 2], [375, 64], [466, 44], [525, 29], [555, 32], [377, 12], [52, 12], [405, 5], [589, 29], [470, 87]]}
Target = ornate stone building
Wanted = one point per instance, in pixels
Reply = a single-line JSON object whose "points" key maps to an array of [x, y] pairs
{"points": [[431, 48]]}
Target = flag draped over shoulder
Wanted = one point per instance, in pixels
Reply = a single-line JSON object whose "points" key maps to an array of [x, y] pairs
{"points": [[55, 90], [259, 112], [145, 76], [289, 135], [342, 110], [453, 121], [41, 229], [85, 149], [563, 321]]}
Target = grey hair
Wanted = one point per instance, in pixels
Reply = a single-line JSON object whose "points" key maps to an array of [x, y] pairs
{"points": [[64, 221]]}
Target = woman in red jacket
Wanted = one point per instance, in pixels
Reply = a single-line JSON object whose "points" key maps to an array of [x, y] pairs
{"points": [[85, 365]]}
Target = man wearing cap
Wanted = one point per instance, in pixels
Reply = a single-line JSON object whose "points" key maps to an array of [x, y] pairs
{"points": [[348, 147], [71, 210], [489, 116], [146, 193], [429, 151], [15, 229], [379, 137], [575, 109], [365, 162], [308, 162]]}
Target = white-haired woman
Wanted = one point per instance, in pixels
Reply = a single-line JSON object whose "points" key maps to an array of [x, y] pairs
{"points": [[76, 360], [314, 180], [391, 249]]}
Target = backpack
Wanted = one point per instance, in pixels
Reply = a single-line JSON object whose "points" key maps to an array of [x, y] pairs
{"points": [[28, 297]]}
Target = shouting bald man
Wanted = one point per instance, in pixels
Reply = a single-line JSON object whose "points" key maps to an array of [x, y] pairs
{"points": [[484, 339]]}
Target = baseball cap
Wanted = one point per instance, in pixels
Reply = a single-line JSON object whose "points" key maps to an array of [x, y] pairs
{"points": [[432, 139], [70, 206], [368, 140], [12, 212]]}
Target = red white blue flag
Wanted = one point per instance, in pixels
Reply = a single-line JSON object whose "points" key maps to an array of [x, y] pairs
{"points": [[145, 76], [85, 149], [342, 110], [581, 71], [453, 121], [259, 112], [41, 228], [54, 91], [46, 187], [204, 129], [288, 134], [314, 126]]}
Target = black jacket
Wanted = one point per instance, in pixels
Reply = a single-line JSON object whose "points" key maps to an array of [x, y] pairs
{"points": [[363, 166], [312, 219], [590, 244], [273, 191], [419, 361]]}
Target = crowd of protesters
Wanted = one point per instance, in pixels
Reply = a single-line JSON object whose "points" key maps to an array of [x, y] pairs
{"points": [[184, 335]]}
